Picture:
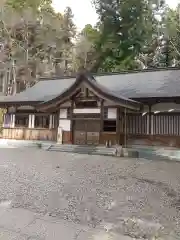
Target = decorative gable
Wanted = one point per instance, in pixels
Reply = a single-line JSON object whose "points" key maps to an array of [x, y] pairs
{"points": [[85, 98], [85, 94]]}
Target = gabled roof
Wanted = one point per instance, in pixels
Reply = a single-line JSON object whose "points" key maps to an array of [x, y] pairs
{"points": [[45, 95], [98, 89], [134, 85]]}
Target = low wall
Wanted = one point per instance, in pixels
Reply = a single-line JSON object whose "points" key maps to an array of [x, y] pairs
{"points": [[51, 135], [104, 137], [154, 140], [29, 134]]}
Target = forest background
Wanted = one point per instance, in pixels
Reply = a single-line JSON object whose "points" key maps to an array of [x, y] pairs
{"points": [[36, 41]]}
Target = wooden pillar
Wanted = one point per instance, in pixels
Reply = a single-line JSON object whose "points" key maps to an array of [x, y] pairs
{"points": [[101, 120], [4, 120], [125, 127], [118, 126], [7, 120], [150, 120], [51, 121], [56, 120], [12, 120], [71, 120], [147, 128], [152, 124], [32, 120]]}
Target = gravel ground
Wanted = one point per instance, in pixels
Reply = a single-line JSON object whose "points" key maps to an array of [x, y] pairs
{"points": [[139, 198]]}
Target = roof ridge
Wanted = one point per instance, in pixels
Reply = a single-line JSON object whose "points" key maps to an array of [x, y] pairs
{"points": [[111, 73], [137, 71], [56, 78]]}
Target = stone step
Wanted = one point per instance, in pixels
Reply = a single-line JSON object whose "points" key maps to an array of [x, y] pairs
{"points": [[111, 152], [83, 149]]}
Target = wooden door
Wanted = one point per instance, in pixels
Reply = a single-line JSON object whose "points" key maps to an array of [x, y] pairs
{"points": [[79, 132], [92, 129], [86, 132]]}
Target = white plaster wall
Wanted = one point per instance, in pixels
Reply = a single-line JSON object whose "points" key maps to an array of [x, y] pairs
{"points": [[112, 113], [63, 113], [87, 110], [163, 107], [64, 124], [166, 107]]}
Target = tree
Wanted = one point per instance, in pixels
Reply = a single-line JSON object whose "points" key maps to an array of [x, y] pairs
{"points": [[124, 25], [69, 32], [36, 41], [85, 48], [172, 29]]}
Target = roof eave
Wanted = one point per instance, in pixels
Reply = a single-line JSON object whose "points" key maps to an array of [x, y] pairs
{"points": [[18, 103], [128, 103]]}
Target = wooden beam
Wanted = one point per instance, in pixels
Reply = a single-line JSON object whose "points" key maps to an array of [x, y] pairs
{"points": [[71, 121], [118, 126], [101, 118], [150, 118]]}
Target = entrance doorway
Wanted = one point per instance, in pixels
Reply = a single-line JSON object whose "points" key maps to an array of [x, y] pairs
{"points": [[86, 132]]}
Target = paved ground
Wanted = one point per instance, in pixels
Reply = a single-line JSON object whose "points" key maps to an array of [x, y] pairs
{"points": [[47, 195]]}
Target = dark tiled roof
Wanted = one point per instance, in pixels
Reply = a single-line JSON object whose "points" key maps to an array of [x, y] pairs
{"points": [[161, 83], [111, 91], [42, 91], [90, 80]]}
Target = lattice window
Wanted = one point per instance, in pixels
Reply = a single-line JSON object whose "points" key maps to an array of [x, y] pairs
{"points": [[105, 113], [69, 113], [86, 104], [109, 126], [42, 122], [22, 120]]}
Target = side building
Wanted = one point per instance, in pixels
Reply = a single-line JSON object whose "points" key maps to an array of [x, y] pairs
{"points": [[120, 108]]}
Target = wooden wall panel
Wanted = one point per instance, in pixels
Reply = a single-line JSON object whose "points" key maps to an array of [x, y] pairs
{"points": [[10, 133], [164, 124], [67, 137], [29, 134], [104, 136], [154, 140], [136, 124]]}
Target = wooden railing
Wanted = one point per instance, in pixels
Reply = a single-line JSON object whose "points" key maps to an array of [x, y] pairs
{"points": [[161, 124], [29, 134]]}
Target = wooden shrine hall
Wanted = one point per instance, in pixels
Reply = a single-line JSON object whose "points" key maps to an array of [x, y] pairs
{"points": [[121, 108]]}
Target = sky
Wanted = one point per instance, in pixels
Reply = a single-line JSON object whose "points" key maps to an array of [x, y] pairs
{"points": [[84, 12]]}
